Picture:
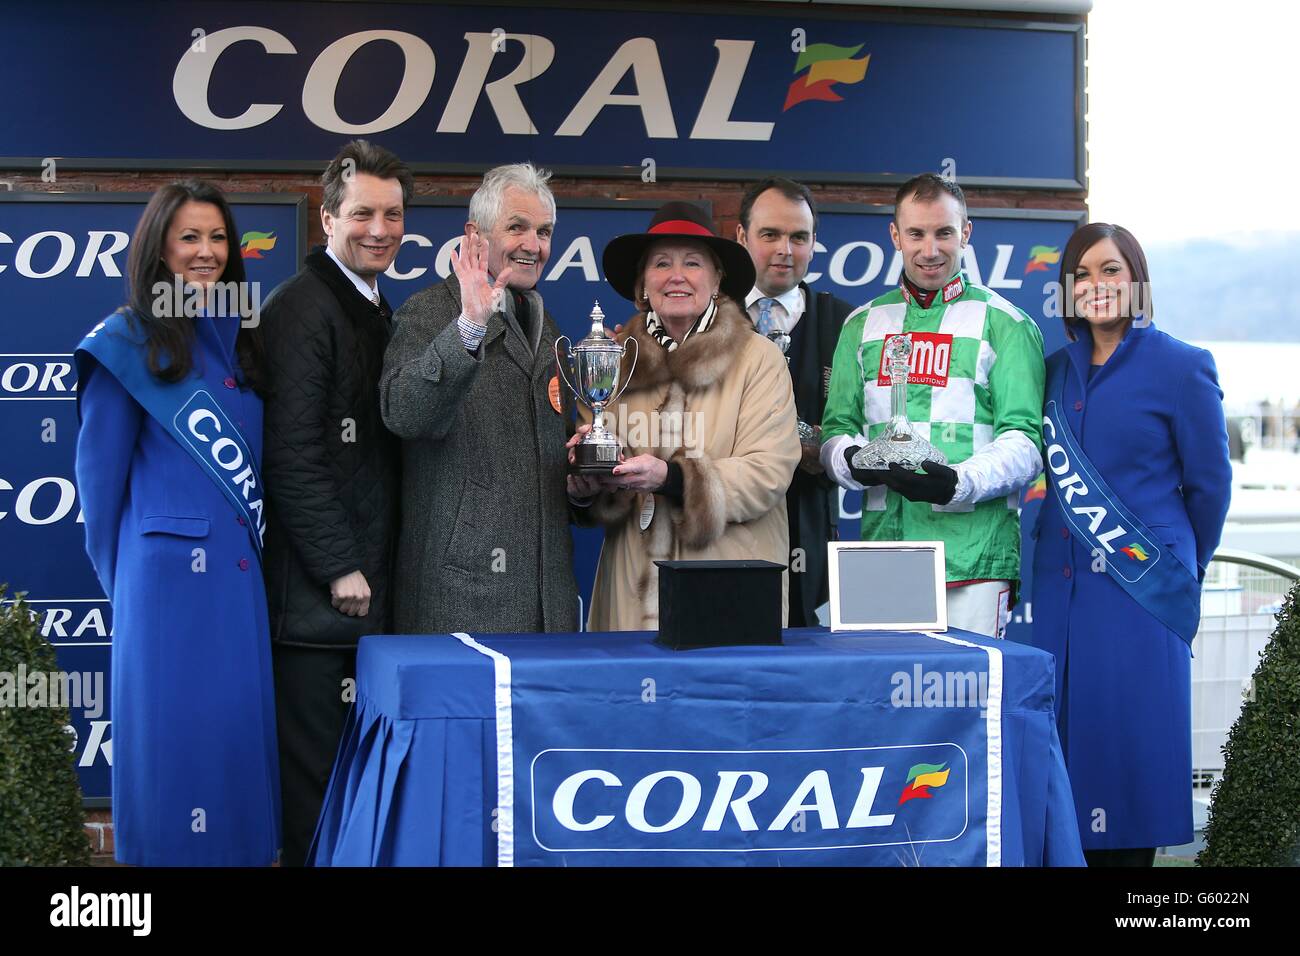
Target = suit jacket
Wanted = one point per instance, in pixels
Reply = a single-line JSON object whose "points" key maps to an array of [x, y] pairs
{"points": [[330, 466], [813, 500], [485, 543]]}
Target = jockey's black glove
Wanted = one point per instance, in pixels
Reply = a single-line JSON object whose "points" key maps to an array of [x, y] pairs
{"points": [[863, 476], [936, 485]]}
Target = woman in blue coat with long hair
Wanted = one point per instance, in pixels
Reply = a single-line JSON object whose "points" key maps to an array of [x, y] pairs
{"points": [[1136, 455], [167, 470]]}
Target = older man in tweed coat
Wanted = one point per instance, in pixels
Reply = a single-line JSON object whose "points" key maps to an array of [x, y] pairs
{"points": [[484, 544]]}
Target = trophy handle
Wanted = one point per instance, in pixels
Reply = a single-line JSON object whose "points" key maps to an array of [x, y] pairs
{"points": [[561, 365], [636, 355]]}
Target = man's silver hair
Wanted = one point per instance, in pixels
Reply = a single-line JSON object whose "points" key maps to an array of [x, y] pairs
{"points": [[485, 205]]}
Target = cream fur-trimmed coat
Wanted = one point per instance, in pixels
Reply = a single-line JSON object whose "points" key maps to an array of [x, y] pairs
{"points": [[738, 455]]}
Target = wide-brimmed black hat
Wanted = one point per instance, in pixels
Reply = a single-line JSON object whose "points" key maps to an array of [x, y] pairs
{"points": [[678, 220]]}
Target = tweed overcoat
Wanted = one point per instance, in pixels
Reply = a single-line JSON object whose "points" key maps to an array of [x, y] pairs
{"points": [[484, 543]]}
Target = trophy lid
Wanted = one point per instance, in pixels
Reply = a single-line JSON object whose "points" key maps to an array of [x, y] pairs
{"points": [[598, 339]]}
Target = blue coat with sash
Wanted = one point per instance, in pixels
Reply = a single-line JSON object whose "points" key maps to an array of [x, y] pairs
{"points": [[1151, 422], [195, 771]]}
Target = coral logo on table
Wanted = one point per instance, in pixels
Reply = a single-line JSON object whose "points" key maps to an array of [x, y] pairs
{"points": [[745, 801], [920, 779]]}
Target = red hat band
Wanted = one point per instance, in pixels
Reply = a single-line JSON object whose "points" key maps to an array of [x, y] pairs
{"points": [[681, 226]]}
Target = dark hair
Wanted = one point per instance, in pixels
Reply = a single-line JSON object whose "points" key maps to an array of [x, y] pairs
{"points": [[788, 188], [364, 157], [169, 333], [928, 187], [1084, 238]]}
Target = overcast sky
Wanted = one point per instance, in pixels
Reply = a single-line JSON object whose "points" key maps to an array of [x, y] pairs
{"points": [[1193, 102]]}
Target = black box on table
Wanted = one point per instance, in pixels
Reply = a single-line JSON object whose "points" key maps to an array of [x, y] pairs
{"points": [[719, 603]]}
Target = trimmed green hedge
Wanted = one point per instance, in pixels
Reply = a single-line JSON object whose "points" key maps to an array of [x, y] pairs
{"points": [[41, 819], [1255, 809]]}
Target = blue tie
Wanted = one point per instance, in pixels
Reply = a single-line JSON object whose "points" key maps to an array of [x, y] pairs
{"points": [[765, 324]]}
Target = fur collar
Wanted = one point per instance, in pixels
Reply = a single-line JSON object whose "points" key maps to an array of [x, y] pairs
{"points": [[700, 361]]}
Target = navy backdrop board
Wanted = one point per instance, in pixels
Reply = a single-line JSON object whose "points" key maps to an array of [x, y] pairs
{"points": [[1010, 250], [62, 269], [1015, 252], [723, 91]]}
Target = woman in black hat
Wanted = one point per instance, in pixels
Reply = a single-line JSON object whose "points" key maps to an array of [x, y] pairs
{"points": [[707, 420]]}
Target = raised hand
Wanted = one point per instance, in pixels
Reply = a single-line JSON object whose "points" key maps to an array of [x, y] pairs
{"points": [[479, 295]]}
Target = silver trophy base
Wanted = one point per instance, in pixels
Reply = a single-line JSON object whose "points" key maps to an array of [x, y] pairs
{"points": [[907, 452], [594, 458]]}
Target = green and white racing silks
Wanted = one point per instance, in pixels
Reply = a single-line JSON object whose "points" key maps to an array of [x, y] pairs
{"points": [[975, 391]]}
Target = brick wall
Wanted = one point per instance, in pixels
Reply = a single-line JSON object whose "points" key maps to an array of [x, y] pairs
{"points": [[725, 196], [99, 831]]}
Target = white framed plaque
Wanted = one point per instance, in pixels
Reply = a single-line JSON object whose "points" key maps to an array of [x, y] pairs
{"points": [[887, 586]]}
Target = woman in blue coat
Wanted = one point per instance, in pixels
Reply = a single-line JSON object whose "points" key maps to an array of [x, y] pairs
{"points": [[171, 431], [1138, 478]]}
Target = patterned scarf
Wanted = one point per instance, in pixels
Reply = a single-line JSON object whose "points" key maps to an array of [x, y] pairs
{"points": [[655, 329]]}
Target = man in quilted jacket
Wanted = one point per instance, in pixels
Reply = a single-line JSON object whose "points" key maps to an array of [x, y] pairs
{"points": [[331, 471]]}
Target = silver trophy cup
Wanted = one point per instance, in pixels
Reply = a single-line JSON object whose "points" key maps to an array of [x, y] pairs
{"points": [[899, 444], [592, 373]]}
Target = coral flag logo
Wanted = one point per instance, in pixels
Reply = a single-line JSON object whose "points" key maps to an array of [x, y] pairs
{"points": [[1135, 551], [828, 64], [1036, 490], [921, 778], [253, 244], [1040, 257]]}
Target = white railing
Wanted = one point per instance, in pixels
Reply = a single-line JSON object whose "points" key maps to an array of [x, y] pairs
{"points": [[1242, 594]]}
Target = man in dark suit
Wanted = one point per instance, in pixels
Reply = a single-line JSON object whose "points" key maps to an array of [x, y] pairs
{"points": [[331, 471], [778, 225]]}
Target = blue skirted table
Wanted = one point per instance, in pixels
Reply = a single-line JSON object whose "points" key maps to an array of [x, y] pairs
{"points": [[605, 750]]}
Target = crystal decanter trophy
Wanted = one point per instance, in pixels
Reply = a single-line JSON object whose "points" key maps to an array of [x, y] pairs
{"points": [[899, 443], [592, 371]]}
